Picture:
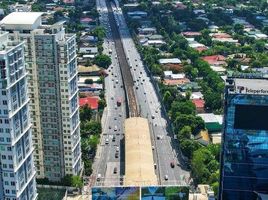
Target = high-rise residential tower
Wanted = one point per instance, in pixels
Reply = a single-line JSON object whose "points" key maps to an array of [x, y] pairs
{"points": [[17, 173], [50, 56], [244, 158]]}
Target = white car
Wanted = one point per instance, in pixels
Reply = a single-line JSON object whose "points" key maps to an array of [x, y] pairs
{"points": [[106, 141], [166, 177], [98, 177]]}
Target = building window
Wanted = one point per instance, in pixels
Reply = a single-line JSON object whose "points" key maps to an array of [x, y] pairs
{"points": [[4, 102]]}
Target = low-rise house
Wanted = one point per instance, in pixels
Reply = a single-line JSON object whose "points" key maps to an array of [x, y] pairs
{"points": [[199, 105], [93, 70], [216, 138], [69, 1], [88, 50], [155, 43], [176, 82], [203, 137], [240, 57], [175, 68], [155, 37], [213, 28], [204, 192], [51, 6], [86, 20], [199, 11], [2, 13], [170, 75], [165, 61], [255, 33], [192, 86], [213, 122], [179, 5], [131, 6], [147, 31], [196, 45], [191, 34], [88, 39], [141, 14], [223, 37], [215, 60], [91, 101], [95, 87]]}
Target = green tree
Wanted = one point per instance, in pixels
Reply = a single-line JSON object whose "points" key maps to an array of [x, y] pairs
{"points": [[85, 113], [188, 147], [103, 61], [77, 182], [89, 81], [98, 32], [185, 133], [90, 128], [101, 104], [195, 122], [178, 107]]}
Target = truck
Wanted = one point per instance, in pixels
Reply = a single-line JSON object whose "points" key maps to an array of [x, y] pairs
{"points": [[118, 102]]}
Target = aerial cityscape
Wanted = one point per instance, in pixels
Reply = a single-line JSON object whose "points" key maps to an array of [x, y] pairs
{"points": [[133, 99]]}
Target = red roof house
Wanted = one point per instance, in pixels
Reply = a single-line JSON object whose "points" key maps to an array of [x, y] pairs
{"points": [[86, 20], [92, 102], [216, 60], [199, 105]]}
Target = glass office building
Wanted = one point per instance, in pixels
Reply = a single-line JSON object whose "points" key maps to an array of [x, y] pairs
{"points": [[244, 158]]}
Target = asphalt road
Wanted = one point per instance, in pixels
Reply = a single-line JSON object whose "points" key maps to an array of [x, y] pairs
{"points": [[148, 105], [151, 108], [114, 116]]}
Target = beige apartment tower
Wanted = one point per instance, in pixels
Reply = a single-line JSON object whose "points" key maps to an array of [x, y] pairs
{"points": [[50, 57]]}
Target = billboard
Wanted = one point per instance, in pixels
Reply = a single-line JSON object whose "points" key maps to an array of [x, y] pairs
{"points": [[114, 193], [141, 193]]}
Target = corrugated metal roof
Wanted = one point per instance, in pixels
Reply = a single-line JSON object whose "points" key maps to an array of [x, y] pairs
{"points": [[139, 164]]}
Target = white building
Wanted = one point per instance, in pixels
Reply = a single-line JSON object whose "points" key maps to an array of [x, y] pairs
{"points": [[50, 56], [16, 149]]}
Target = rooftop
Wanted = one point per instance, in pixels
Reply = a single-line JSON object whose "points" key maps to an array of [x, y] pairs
{"points": [[92, 102], [250, 86], [169, 60], [21, 18], [210, 118], [139, 161]]}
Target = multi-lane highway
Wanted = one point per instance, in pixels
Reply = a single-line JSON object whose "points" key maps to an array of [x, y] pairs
{"points": [[151, 108], [147, 105], [109, 162]]}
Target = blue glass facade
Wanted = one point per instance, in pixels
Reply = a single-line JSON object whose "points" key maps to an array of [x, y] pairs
{"points": [[244, 158]]}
